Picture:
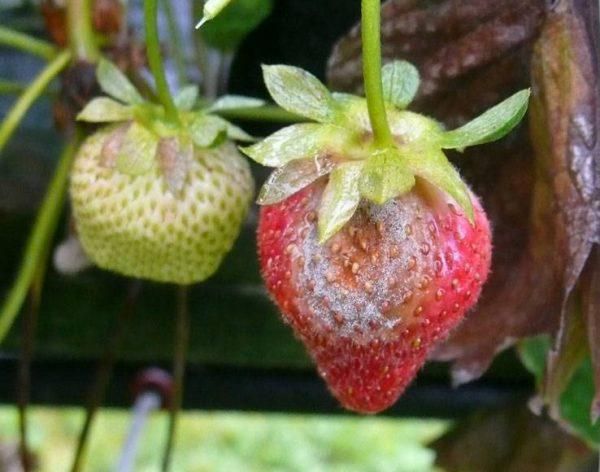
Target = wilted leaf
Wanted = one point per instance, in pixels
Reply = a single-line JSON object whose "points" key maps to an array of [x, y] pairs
{"points": [[116, 84], [577, 397], [590, 305], [340, 199], [510, 440], [300, 92], [292, 177], [104, 110], [112, 146], [137, 155], [174, 158]]}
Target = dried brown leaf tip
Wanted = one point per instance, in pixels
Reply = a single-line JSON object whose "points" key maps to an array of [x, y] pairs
{"points": [[541, 189]]}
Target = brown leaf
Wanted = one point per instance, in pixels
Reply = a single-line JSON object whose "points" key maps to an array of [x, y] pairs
{"points": [[174, 157], [511, 440], [590, 298], [472, 54], [112, 146]]}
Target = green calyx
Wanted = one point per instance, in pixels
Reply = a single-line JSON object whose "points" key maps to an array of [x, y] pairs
{"points": [[147, 138], [339, 143]]}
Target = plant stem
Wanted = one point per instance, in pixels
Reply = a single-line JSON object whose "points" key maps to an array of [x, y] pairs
{"points": [[270, 113], [175, 35], [371, 43], [155, 59], [81, 33], [33, 91], [104, 371], [27, 345], [39, 238], [182, 331], [26, 43]]}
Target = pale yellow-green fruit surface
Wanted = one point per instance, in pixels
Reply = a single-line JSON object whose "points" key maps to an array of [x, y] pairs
{"points": [[135, 226]]}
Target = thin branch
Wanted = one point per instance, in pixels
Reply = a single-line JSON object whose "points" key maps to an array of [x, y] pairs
{"points": [[37, 87], [182, 332], [104, 372], [24, 42]]}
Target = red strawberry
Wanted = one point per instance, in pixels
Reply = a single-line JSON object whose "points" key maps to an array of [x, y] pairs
{"points": [[373, 252], [371, 302]]}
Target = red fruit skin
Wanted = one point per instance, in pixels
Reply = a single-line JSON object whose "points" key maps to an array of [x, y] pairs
{"points": [[371, 302]]}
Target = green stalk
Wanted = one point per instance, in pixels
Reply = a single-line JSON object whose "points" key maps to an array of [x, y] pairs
{"points": [[155, 59], [81, 33], [182, 334], [33, 91], [26, 43], [270, 113], [39, 239], [175, 35], [371, 43]]}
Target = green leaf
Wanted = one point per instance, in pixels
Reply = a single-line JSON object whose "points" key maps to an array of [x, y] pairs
{"points": [[187, 97], [292, 177], [207, 131], [433, 166], [240, 17], [137, 155], [236, 133], [232, 102], [104, 110], [299, 92], [340, 199], [384, 177], [401, 81], [306, 140], [492, 125], [116, 84], [576, 400], [211, 9]]}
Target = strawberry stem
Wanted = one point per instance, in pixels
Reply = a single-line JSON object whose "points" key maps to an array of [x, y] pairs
{"points": [[30, 95], [155, 59], [81, 34], [26, 43], [371, 43], [39, 239]]}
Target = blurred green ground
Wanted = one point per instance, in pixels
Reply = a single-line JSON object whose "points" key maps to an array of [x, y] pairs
{"points": [[236, 442]]}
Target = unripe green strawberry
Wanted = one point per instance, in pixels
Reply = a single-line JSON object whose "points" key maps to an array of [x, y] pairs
{"points": [[137, 226], [160, 195]]}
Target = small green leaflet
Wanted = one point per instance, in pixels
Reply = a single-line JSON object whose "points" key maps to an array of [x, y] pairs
{"points": [[227, 31], [187, 97], [104, 110], [433, 166], [305, 140], [232, 102], [401, 81], [292, 177], [492, 125], [116, 84], [211, 9], [299, 92], [137, 155], [384, 177], [207, 131], [340, 199]]}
